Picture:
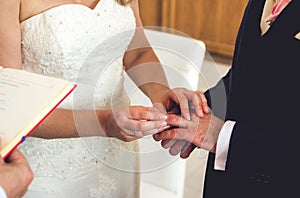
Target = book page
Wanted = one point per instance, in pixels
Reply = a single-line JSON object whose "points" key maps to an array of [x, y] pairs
{"points": [[25, 99]]}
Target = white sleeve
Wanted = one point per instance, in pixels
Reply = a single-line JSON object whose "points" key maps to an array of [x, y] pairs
{"points": [[223, 145], [2, 193]]}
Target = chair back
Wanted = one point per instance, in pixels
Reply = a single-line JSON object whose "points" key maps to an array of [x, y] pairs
{"points": [[163, 175]]}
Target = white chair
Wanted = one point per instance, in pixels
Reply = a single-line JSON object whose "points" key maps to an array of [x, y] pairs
{"points": [[162, 175]]}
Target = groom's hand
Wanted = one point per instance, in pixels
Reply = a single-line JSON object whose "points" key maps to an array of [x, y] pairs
{"points": [[181, 101], [175, 147], [201, 132]]}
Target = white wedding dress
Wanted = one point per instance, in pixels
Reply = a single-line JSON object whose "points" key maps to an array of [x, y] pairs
{"points": [[85, 46]]}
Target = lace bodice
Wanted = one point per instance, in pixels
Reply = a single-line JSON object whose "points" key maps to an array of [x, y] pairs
{"points": [[84, 46], [59, 43]]}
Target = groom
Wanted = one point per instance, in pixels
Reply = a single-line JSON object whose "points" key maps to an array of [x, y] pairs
{"points": [[253, 134]]}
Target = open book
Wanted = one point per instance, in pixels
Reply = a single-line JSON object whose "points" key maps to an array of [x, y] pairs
{"points": [[25, 101]]}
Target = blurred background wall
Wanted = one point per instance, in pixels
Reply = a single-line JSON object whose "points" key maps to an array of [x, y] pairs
{"points": [[215, 22]]}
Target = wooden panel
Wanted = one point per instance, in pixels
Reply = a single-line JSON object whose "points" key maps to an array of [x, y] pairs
{"points": [[215, 22], [150, 12], [168, 13]]}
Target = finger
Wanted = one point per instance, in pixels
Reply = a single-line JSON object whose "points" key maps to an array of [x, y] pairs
{"points": [[197, 105], [178, 121], [144, 126], [177, 147], [204, 101], [127, 137], [146, 113], [187, 150], [184, 106], [166, 135], [173, 96], [16, 157], [178, 134], [152, 132], [174, 103], [156, 137], [198, 100], [195, 118], [168, 143]]}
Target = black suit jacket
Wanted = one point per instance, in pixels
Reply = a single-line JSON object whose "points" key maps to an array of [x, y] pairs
{"points": [[261, 96]]}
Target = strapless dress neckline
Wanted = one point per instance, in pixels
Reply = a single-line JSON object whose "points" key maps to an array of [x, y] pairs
{"points": [[70, 5]]}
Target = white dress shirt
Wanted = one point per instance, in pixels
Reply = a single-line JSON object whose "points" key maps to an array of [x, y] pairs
{"points": [[223, 145], [2, 193]]}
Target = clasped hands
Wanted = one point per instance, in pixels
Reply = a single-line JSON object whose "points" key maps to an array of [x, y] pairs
{"points": [[190, 124], [180, 119]]}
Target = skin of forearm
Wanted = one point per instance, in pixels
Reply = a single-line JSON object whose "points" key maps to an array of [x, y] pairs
{"points": [[152, 90], [63, 123], [146, 71]]}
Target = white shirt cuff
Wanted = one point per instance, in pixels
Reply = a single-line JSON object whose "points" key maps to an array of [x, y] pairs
{"points": [[2, 193], [223, 145]]}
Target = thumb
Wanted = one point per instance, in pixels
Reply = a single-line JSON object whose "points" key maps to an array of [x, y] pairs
{"points": [[16, 157]]}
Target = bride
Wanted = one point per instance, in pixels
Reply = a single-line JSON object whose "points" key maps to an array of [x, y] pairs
{"points": [[86, 147]]}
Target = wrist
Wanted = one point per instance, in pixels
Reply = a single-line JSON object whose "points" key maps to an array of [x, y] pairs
{"points": [[104, 118], [155, 91], [213, 131]]}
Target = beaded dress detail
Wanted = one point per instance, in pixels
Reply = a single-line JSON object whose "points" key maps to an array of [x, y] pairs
{"points": [[59, 42]]}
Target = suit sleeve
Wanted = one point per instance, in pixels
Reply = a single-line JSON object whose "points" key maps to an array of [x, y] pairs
{"points": [[217, 96]]}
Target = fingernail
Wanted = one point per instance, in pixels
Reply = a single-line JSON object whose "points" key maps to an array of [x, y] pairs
{"points": [[163, 124], [207, 109], [188, 117], [162, 129], [200, 113], [164, 117], [166, 127]]}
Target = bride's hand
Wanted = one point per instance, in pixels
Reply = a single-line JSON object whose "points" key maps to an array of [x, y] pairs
{"points": [[134, 122], [182, 101]]}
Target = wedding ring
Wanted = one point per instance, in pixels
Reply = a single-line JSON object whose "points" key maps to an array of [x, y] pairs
{"points": [[134, 132]]}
